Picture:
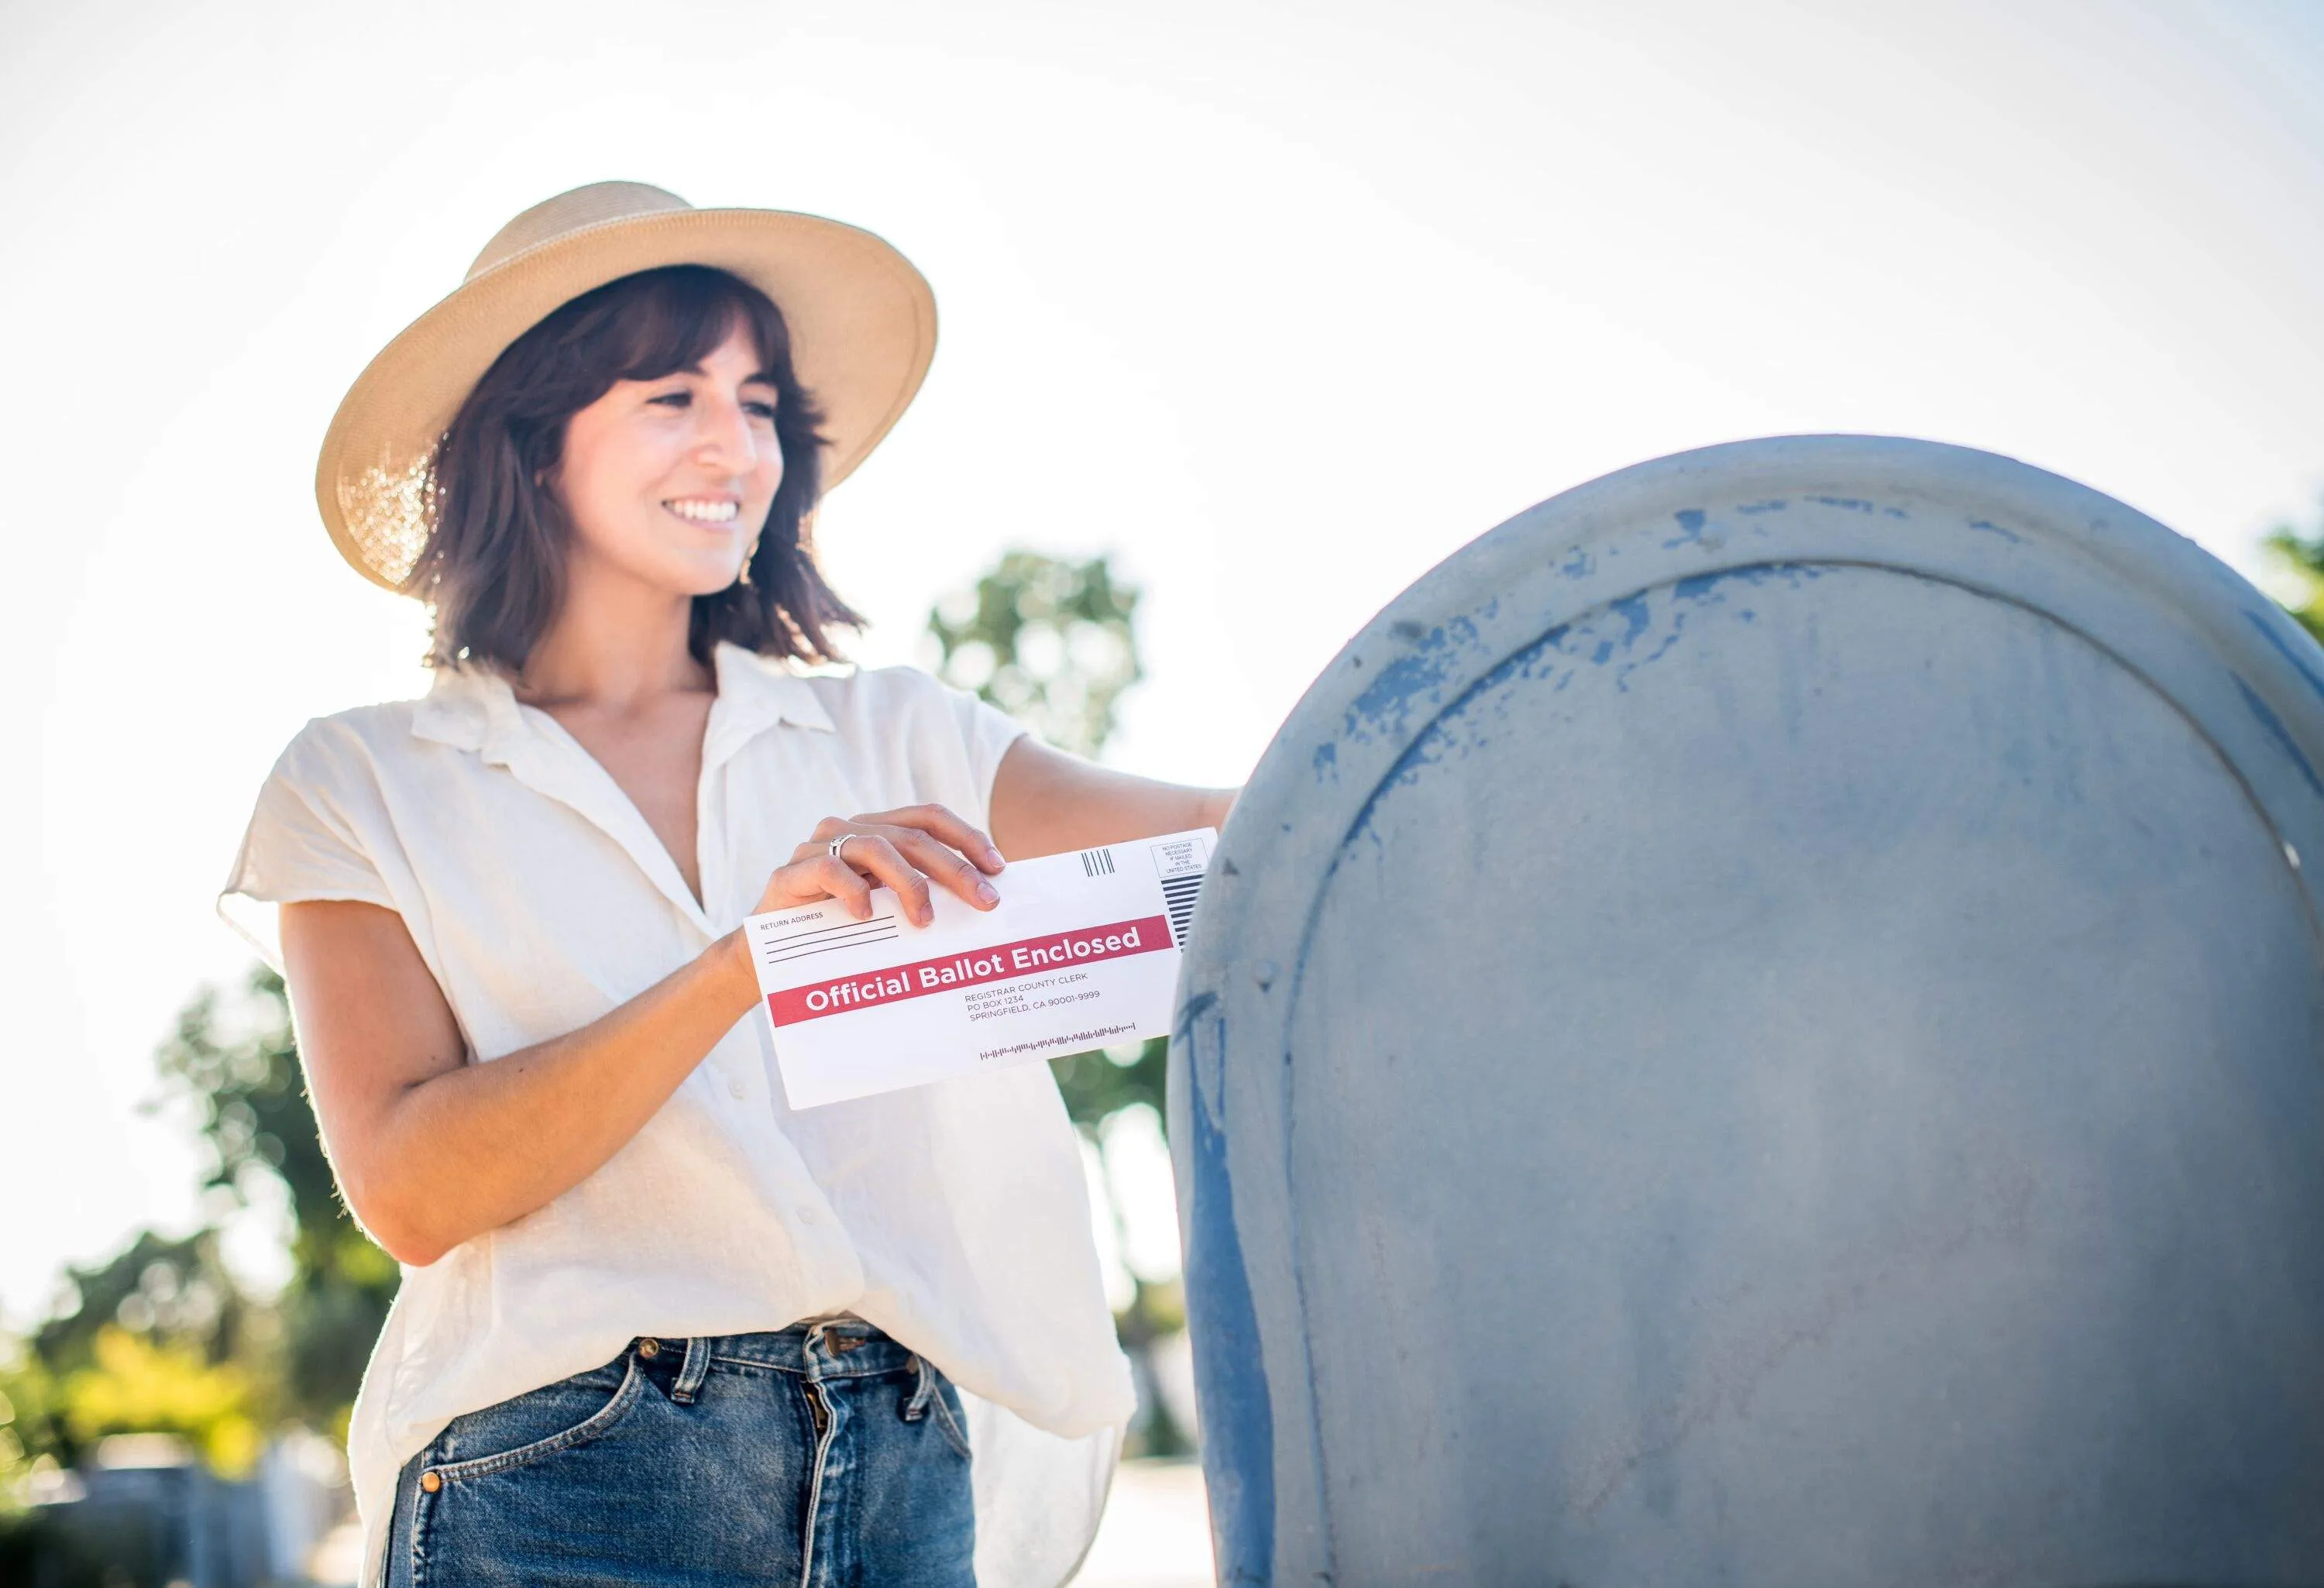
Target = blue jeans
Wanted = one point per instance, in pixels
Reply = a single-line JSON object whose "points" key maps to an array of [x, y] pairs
{"points": [[813, 1457]]}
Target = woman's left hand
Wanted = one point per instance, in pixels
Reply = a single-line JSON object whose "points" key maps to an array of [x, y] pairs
{"points": [[907, 850]]}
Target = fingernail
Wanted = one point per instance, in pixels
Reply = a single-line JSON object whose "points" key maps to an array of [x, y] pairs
{"points": [[992, 856], [984, 891]]}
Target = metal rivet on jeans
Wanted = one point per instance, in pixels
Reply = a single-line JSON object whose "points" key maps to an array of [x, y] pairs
{"points": [[648, 1348], [431, 1481]]}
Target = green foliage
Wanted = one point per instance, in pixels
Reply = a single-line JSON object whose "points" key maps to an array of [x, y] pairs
{"points": [[139, 1385], [176, 1291], [159, 1339], [1047, 640], [1099, 1084], [237, 1065], [156, 1340], [31, 1417], [2303, 556]]}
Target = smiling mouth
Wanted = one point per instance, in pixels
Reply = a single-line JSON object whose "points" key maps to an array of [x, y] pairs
{"points": [[709, 514]]}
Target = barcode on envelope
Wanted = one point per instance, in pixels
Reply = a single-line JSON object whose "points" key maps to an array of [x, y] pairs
{"points": [[1178, 902]]}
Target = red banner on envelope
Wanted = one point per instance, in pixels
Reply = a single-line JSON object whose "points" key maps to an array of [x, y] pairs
{"points": [[1007, 962]]}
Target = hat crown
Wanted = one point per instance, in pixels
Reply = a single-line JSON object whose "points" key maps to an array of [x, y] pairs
{"points": [[569, 212]]}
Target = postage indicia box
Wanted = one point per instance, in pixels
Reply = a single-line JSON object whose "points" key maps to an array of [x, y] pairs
{"points": [[1081, 952]]}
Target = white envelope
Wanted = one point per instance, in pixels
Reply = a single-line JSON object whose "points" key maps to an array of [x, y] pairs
{"points": [[1081, 952]]}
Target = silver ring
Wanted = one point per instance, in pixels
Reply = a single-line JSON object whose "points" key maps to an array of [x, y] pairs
{"points": [[842, 839]]}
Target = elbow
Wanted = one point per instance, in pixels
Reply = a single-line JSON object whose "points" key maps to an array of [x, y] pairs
{"points": [[411, 1248], [397, 1219]]}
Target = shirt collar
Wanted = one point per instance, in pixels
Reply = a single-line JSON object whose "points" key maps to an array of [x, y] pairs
{"points": [[471, 708], [754, 693], [475, 708]]}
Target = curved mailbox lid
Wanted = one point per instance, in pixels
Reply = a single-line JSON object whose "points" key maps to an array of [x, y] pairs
{"points": [[1994, 1087]]}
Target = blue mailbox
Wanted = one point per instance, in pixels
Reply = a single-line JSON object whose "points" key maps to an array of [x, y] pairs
{"points": [[1762, 1025]]}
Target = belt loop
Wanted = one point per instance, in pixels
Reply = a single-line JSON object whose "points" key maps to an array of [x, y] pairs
{"points": [[693, 1370], [924, 1389]]}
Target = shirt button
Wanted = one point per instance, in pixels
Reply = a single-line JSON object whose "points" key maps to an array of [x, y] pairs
{"points": [[806, 1215], [738, 1089]]}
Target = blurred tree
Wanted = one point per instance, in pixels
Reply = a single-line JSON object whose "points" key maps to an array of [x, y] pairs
{"points": [[236, 1065], [2303, 556], [1047, 640], [161, 1338], [176, 1291], [1099, 1084], [137, 1385], [31, 1417], [146, 1332], [1052, 642]]}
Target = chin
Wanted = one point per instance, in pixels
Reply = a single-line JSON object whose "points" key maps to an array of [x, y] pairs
{"points": [[708, 585], [683, 575]]}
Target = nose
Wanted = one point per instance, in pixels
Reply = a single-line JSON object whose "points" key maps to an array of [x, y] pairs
{"points": [[727, 443]]}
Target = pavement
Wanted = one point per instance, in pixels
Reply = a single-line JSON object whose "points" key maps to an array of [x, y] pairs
{"points": [[1157, 1530]]}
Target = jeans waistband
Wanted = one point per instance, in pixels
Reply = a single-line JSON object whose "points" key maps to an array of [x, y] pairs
{"points": [[822, 1348]]}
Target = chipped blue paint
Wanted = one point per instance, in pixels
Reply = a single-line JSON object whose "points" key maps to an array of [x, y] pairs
{"points": [[1229, 1369], [2270, 633], [1697, 586], [2274, 725], [1775, 504], [1689, 529], [1556, 656], [1327, 761], [1580, 565], [1990, 528], [1852, 503], [1385, 707]]}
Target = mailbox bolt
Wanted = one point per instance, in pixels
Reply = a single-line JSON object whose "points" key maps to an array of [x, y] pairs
{"points": [[1263, 972]]}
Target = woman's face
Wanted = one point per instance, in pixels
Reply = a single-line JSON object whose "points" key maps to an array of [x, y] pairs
{"points": [[668, 481]]}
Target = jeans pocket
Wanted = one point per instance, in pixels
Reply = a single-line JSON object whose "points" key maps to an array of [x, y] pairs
{"points": [[540, 1422]]}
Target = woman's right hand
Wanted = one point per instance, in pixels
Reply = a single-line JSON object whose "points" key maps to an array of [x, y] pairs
{"points": [[909, 850]]}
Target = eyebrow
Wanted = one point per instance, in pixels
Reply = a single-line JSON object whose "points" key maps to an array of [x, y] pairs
{"points": [[758, 378]]}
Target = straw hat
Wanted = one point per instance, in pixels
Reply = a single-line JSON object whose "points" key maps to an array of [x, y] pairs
{"points": [[863, 325]]}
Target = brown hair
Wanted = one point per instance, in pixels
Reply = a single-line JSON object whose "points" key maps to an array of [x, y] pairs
{"points": [[493, 566]]}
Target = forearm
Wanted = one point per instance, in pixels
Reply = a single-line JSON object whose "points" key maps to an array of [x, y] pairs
{"points": [[474, 1147], [1045, 802]]}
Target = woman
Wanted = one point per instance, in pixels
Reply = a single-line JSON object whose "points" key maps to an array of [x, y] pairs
{"points": [[655, 1326]]}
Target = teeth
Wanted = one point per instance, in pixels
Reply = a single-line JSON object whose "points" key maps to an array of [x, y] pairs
{"points": [[705, 513]]}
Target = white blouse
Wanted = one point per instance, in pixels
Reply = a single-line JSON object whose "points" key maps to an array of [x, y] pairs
{"points": [[955, 1216]]}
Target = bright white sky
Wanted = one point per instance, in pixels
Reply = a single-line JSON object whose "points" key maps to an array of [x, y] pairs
{"points": [[1278, 303]]}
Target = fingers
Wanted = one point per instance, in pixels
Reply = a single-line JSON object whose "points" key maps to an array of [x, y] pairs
{"points": [[875, 856], [944, 865], [903, 850], [805, 878], [940, 823]]}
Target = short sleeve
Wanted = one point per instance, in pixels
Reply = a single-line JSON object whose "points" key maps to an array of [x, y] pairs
{"points": [[986, 734], [302, 843]]}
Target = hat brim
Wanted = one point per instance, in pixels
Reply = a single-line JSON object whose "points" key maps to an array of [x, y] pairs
{"points": [[863, 325]]}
